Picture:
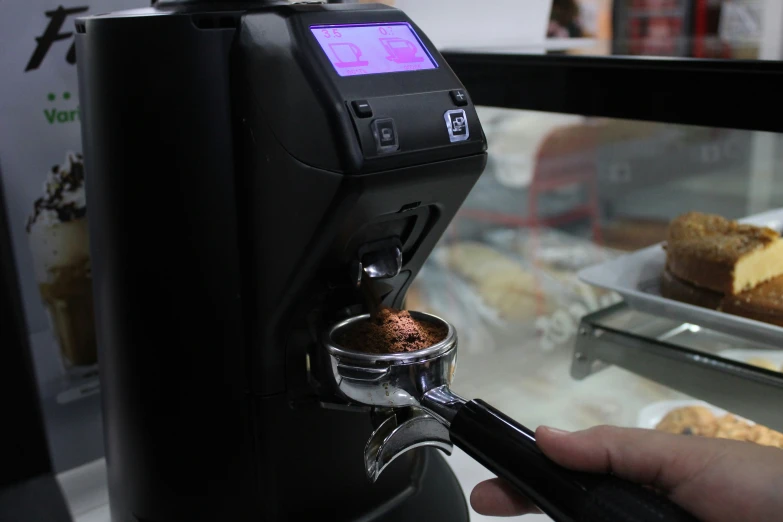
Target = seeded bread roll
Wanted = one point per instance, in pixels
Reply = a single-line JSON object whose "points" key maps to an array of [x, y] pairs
{"points": [[501, 281]]}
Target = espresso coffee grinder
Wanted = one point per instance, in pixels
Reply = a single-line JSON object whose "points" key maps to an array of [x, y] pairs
{"points": [[253, 171]]}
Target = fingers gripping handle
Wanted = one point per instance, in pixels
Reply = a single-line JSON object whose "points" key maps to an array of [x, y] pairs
{"points": [[509, 450]]}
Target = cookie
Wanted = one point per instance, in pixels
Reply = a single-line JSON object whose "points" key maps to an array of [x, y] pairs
{"points": [[689, 420], [730, 427]]}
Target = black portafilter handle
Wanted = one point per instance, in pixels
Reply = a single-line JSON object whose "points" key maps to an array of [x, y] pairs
{"points": [[509, 450]]}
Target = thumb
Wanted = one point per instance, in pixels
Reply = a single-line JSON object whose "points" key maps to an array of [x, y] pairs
{"points": [[648, 457]]}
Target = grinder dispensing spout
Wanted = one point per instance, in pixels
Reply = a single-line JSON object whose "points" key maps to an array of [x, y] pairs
{"points": [[413, 388], [378, 260]]}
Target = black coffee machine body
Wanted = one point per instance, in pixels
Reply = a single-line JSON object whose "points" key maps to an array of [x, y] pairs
{"points": [[246, 164]]}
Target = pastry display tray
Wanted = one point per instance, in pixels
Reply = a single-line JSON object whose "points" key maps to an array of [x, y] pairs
{"points": [[636, 277]]}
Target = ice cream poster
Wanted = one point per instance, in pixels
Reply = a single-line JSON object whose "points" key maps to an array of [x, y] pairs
{"points": [[43, 176]]}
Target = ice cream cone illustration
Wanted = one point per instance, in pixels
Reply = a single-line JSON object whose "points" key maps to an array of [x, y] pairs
{"points": [[58, 236]]}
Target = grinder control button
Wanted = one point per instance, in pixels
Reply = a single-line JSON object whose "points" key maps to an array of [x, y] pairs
{"points": [[362, 108], [385, 135], [459, 97], [457, 125]]}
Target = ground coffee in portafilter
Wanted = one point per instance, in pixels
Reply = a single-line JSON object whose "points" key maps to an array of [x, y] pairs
{"points": [[391, 331]]}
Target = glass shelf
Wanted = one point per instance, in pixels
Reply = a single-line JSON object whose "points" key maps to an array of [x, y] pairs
{"points": [[687, 358]]}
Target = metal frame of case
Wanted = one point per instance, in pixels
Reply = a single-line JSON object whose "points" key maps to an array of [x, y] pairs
{"points": [[665, 90], [746, 390]]}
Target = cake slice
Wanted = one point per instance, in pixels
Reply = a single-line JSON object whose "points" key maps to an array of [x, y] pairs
{"points": [[762, 303], [722, 255], [679, 290]]}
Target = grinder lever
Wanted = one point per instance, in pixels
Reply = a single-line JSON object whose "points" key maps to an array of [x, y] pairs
{"points": [[404, 429]]}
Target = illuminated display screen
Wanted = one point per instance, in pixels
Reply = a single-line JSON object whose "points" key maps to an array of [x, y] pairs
{"points": [[373, 49]]}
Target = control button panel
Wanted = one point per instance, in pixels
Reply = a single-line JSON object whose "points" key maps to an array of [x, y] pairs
{"points": [[457, 125], [459, 97], [406, 129], [362, 108], [385, 134]]}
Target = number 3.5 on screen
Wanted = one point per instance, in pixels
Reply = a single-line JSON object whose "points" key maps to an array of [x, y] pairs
{"points": [[334, 33]]}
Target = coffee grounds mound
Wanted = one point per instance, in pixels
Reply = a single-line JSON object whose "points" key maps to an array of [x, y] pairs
{"points": [[391, 331]]}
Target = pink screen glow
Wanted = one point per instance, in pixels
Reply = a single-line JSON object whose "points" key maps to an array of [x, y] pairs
{"points": [[372, 49]]}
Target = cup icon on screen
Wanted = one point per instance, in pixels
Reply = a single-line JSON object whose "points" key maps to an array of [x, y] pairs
{"points": [[348, 55], [401, 51]]}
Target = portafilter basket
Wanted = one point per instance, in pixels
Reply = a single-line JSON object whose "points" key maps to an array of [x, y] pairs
{"points": [[415, 386], [393, 380]]}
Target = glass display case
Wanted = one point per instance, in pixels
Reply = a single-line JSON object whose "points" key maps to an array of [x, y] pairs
{"points": [[590, 159]]}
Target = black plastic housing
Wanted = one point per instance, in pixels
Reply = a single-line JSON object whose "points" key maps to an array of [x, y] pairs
{"points": [[230, 188]]}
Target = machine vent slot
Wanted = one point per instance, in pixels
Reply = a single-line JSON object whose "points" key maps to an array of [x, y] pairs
{"points": [[81, 27]]}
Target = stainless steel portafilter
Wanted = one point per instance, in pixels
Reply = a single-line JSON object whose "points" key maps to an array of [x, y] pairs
{"points": [[415, 386]]}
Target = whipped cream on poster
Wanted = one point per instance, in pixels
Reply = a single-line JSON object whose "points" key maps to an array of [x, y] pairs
{"points": [[64, 197]]}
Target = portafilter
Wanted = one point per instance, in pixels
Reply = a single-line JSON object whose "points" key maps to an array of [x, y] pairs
{"points": [[412, 390]]}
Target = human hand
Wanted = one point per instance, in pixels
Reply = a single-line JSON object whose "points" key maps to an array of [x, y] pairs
{"points": [[715, 480]]}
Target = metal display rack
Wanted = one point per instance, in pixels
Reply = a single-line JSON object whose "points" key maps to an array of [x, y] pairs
{"points": [[680, 356]]}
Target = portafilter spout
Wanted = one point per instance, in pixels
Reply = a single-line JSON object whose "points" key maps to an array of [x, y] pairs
{"points": [[416, 385]]}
